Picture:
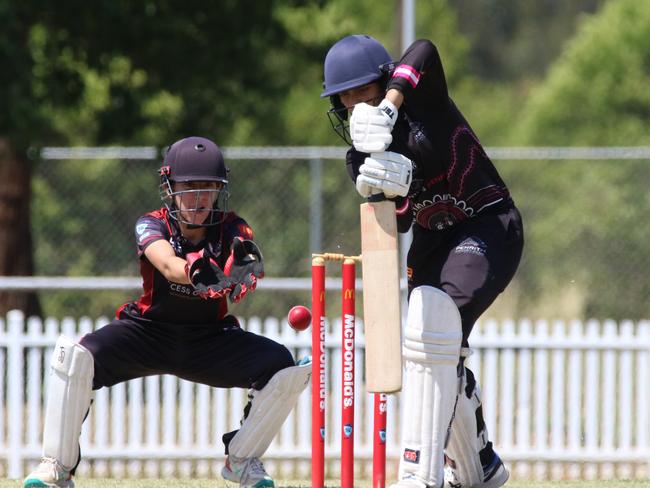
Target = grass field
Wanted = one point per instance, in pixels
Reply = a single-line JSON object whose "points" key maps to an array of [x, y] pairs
{"points": [[219, 483]]}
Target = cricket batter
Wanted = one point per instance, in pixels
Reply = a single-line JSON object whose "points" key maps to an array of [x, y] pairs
{"points": [[411, 144], [195, 255]]}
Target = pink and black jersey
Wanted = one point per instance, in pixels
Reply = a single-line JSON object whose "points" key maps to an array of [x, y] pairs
{"points": [[453, 177], [165, 301]]}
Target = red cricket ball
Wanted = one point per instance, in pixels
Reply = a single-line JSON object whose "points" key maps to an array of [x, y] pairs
{"points": [[299, 317]]}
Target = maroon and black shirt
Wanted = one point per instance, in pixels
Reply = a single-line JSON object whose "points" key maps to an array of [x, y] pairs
{"points": [[165, 301], [453, 178]]}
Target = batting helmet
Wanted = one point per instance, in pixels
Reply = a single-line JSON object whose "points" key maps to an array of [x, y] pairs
{"points": [[352, 62], [195, 159]]}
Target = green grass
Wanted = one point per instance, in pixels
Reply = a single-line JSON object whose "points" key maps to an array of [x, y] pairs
{"points": [[219, 483]]}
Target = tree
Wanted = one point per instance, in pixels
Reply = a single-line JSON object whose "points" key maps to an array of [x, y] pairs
{"points": [[589, 227], [127, 72], [514, 39], [15, 236]]}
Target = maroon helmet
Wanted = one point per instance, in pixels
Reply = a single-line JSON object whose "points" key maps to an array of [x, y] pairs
{"points": [[195, 159]]}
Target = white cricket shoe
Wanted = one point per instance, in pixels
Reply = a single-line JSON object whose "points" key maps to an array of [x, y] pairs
{"points": [[49, 474], [248, 472], [495, 474]]}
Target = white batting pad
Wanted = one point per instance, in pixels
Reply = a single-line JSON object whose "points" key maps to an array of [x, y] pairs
{"points": [[431, 353], [269, 409], [68, 400], [466, 440]]}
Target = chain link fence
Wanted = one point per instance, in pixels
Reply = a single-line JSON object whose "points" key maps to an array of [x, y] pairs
{"points": [[585, 215]]}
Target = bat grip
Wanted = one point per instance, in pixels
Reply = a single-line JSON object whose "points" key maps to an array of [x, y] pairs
{"points": [[377, 197]]}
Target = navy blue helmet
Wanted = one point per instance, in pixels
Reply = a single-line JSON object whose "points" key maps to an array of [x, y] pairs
{"points": [[352, 62]]}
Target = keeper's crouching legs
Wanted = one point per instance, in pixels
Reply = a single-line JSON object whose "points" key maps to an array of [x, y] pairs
{"points": [[470, 460], [269, 408], [68, 401]]}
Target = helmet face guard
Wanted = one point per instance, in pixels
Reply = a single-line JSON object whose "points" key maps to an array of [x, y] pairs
{"points": [[338, 116], [188, 206]]}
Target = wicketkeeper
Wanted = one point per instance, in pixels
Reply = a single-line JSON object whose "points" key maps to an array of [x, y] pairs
{"points": [[195, 255], [410, 143]]}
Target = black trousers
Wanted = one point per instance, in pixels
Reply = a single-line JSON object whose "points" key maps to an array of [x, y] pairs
{"points": [[472, 262], [227, 357]]}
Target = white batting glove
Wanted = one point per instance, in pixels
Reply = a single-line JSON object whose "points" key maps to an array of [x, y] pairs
{"points": [[387, 172], [366, 190], [371, 127]]}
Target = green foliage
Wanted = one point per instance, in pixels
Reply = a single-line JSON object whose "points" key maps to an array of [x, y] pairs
{"points": [[317, 26], [515, 39], [141, 72], [595, 212], [437, 20], [598, 88], [147, 73], [490, 108]]}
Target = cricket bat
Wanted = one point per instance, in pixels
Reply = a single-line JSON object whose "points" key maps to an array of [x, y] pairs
{"points": [[381, 297]]}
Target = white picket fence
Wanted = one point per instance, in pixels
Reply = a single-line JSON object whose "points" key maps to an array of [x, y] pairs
{"points": [[561, 400]]}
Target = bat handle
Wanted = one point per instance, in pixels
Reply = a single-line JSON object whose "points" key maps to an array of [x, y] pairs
{"points": [[377, 197]]}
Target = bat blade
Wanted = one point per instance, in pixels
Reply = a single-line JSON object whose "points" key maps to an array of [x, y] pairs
{"points": [[381, 297]]}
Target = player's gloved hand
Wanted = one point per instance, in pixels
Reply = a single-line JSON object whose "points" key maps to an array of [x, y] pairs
{"points": [[364, 189], [205, 275], [387, 172], [244, 266], [371, 127]]}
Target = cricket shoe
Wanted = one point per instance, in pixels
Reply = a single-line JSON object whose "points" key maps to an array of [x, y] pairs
{"points": [[49, 474], [248, 472], [495, 474]]}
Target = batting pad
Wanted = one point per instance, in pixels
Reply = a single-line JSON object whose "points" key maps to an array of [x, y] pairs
{"points": [[431, 353], [468, 434], [70, 389], [269, 409]]}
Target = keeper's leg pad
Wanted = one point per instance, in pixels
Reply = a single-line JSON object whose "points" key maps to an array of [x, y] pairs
{"points": [[269, 409], [471, 461], [431, 352], [68, 400]]}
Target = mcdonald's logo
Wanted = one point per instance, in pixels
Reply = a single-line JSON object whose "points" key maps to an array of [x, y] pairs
{"points": [[348, 294], [321, 298]]}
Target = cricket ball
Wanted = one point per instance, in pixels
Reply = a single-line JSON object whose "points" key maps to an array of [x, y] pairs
{"points": [[299, 317]]}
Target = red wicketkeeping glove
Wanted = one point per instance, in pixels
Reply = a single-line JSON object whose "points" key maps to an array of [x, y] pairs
{"points": [[206, 277], [244, 266]]}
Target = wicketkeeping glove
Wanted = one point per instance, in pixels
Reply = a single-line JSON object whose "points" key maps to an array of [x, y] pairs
{"points": [[244, 266], [387, 172], [205, 275], [371, 127]]}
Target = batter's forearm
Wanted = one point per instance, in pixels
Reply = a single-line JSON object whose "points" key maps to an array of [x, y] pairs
{"points": [[395, 96]]}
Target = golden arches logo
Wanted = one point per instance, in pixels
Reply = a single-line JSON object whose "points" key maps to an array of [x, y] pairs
{"points": [[348, 294]]}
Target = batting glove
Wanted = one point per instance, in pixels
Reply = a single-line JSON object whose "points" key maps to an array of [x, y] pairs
{"points": [[244, 266], [371, 127], [387, 172], [206, 277], [366, 190]]}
